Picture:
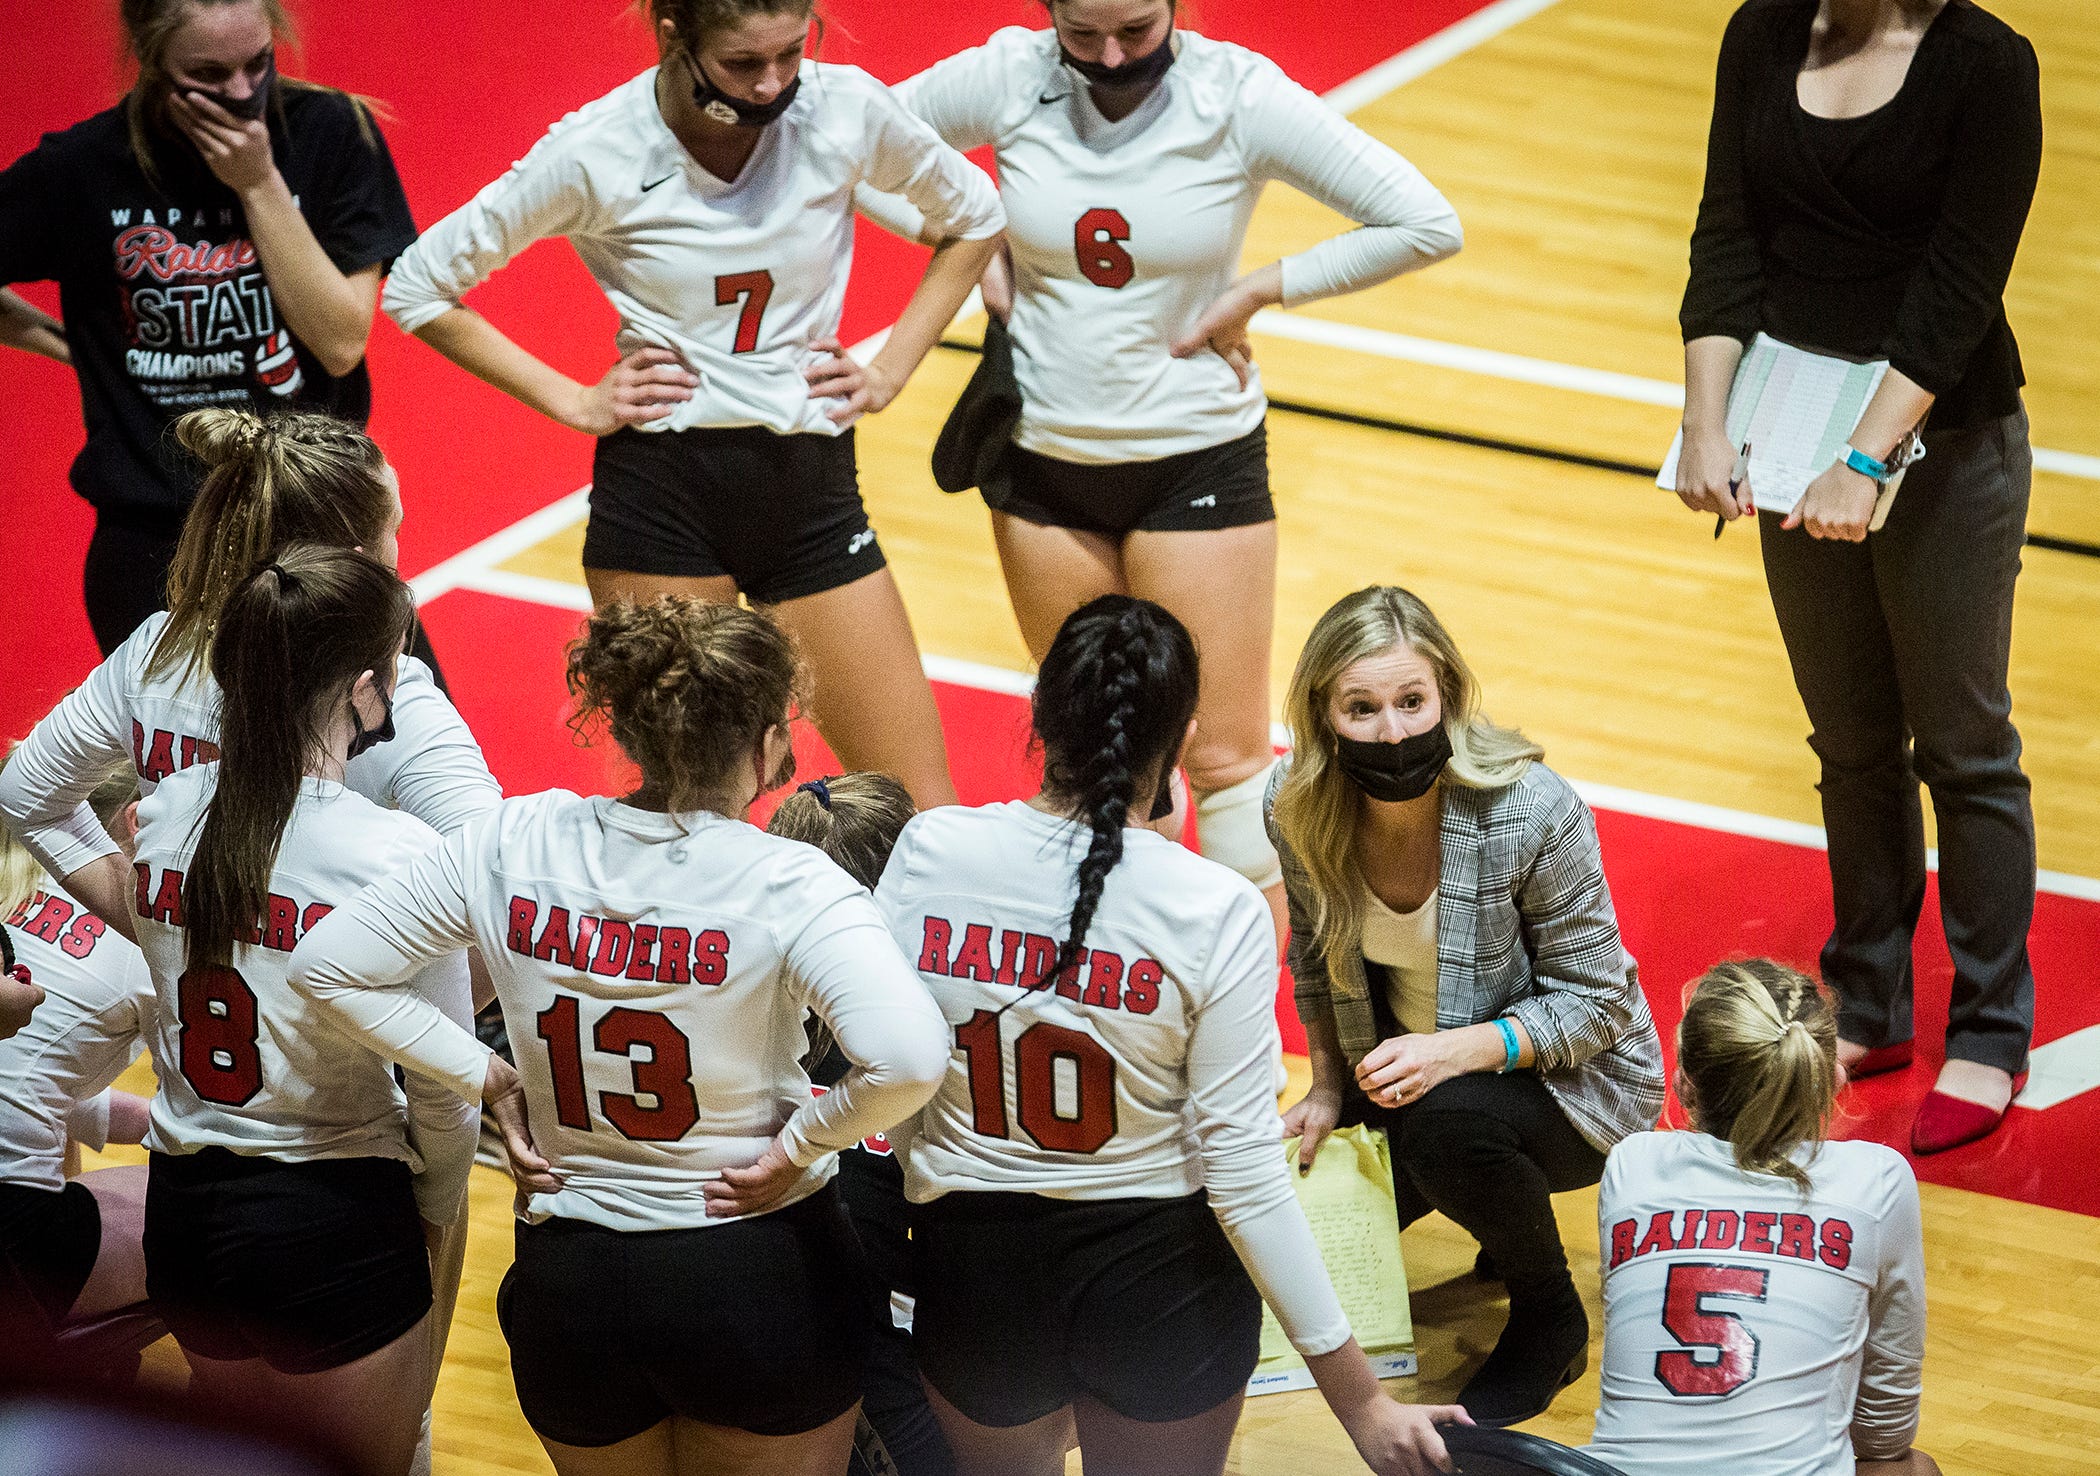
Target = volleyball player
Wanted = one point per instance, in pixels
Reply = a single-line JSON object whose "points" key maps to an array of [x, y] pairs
{"points": [[1100, 1172], [687, 1294], [1131, 155], [291, 1179], [855, 819], [73, 1241], [711, 198], [1764, 1288], [218, 238]]}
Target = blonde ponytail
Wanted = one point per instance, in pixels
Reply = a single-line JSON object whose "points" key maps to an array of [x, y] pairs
{"points": [[1759, 1048]]}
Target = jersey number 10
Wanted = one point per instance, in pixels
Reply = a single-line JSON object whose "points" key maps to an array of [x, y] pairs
{"points": [[1037, 1050]]}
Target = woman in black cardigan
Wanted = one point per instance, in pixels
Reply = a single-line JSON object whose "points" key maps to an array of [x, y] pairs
{"points": [[1869, 171]]}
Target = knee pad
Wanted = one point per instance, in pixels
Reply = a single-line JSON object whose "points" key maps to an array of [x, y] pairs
{"points": [[1229, 830]]}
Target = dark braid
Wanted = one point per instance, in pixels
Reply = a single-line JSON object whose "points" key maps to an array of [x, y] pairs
{"points": [[1115, 695]]}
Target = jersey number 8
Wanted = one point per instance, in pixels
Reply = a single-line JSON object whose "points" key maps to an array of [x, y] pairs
{"points": [[1037, 1050], [218, 1057], [665, 1074], [1719, 1355]]}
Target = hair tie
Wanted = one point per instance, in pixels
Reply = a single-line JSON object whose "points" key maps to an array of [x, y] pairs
{"points": [[285, 579], [818, 788]]}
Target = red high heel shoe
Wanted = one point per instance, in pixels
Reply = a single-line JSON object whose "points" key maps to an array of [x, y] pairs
{"points": [[1945, 1122], [1880, 1060]]}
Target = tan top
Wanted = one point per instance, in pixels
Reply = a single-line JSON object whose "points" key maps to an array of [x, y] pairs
{"points": [[1405, 942]]}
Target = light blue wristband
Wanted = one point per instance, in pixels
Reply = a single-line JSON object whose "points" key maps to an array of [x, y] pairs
{"points": [[1510, 1048], [1866, 465]]}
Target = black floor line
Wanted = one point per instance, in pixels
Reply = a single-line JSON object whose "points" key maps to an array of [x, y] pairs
{"points": [[1526, 448]]}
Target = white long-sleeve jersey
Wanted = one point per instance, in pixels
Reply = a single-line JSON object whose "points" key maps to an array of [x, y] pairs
{"points": [[247, 1063], [654, 972], [98, 1005], [737, 278], [433, 769], [1123, 233], [1144, 1073], [1741, 1318]]}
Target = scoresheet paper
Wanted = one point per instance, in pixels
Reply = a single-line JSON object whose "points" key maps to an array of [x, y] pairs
{"points": [[1795, 410], [1348, 1198]]}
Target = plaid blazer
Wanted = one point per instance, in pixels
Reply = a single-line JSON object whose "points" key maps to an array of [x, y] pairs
{"points": [[1524, 928]]}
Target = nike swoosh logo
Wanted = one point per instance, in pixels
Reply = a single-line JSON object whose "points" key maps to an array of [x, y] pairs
{"points": [[654, 183], [1051, 97]]}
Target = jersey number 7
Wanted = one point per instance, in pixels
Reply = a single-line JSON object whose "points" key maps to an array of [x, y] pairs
{"points": [[756, 289], [1720, 1351], [1037, 1050], [665, 1074]]}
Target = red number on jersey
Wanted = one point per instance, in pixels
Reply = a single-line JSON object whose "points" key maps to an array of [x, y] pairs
{"points": [[756, 288], [1098, 239], [1037, 1050], [1720, 1351], [216, 1010], [665, 1074]]}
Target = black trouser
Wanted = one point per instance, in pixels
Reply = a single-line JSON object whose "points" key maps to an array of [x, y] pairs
{"points": [[1899, 648], [1489, 1152], [125, 579]]}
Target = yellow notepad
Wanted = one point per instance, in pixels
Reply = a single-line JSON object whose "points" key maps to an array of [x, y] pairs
{"points": [[1348, 1198]]}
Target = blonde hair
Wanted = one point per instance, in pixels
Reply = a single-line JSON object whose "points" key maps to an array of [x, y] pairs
{"points": [[1758, 1047], [268, 483], [150, 27], [21, 877], [1317, 806], [688, 687], [854, 819]]}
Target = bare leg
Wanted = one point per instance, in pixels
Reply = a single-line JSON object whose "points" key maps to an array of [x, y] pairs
{"points": [[651, 1453], [715, 1450], [371, 1409], [872, 702], [1113, 1445], [608, 585], [119, 1277], [1912, 1462], [1034, 1449], [1050, 572], [1221, 584]]}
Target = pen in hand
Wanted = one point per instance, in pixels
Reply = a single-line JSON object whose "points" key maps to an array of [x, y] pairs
{"points": [[1736, 478]]}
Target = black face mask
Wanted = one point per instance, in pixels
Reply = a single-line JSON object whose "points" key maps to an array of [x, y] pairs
{"points": [[248, 108], [369, 737], [734, 111], [1163, 802], [1137, 71], [1395, 772]]}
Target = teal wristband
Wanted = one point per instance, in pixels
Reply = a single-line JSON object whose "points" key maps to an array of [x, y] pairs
{"points": [[1866, 465], [1510, 1049]]}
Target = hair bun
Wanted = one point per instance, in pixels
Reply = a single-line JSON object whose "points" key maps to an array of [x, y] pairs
{"points": [[219, 437]]}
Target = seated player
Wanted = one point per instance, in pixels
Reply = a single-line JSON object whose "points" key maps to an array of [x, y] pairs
{"points": [[855, 820], [1764, 1288], [74, 1241]]}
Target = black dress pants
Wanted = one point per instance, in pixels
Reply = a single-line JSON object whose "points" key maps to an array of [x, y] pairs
{"points": [[125, 579], [1899, 648], [1489, 1152]]}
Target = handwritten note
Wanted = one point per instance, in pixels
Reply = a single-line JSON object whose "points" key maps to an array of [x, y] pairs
{"points": [[1348, 1199]]}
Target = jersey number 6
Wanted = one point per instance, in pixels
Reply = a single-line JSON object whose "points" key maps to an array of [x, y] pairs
{"points": [[216, 1009], [1098, 239], [756, 288], [666, 1073], [1037, 1050], [1729, 1346]]}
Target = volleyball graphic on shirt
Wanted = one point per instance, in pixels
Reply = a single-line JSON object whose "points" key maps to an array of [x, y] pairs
{"points": [[277, 365]]}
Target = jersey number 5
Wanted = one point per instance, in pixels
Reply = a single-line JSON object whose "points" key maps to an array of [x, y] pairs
{"points": [[216, 1009], [1037, 1050], [665, 1074], [1098, 239], [756, 288], [1720, 1351]]}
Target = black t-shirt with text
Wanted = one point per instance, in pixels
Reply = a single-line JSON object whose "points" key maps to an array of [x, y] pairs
{"points": [[165, 303]]}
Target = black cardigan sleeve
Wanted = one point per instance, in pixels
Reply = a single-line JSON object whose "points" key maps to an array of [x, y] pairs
{"points": [[1727, 280], [1956, 295]]}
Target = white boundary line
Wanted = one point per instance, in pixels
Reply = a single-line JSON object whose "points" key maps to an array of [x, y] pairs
{"points": [[480, 559], [1432, 52]]}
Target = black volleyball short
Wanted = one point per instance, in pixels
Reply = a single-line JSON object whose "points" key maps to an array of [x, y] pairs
{"points": [[760, 1324], [308, 1266], [1026, 1303], [1223, 486], [781, 515], [52, 1239]]}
